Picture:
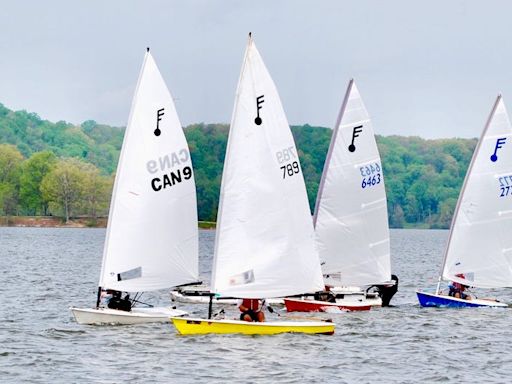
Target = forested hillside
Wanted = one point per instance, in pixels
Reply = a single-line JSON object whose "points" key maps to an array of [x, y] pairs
{"points": [[95, 143], [67, 170]]}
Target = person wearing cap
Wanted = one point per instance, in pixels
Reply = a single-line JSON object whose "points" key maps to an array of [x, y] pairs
{"points": [[457, 289]]}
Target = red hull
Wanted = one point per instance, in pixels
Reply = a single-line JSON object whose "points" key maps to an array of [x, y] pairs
{"points": [[296, 305]]}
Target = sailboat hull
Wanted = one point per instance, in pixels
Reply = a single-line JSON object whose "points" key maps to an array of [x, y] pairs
{"points": [[201, 295], [102, 316], [349, 295], [194, 326], [299, 305], [443, 301]]}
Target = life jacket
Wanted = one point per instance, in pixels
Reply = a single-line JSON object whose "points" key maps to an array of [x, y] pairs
{"points": [[253, 304]]}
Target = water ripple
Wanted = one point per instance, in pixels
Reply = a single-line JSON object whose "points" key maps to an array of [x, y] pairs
{"points": [[45, 271]]}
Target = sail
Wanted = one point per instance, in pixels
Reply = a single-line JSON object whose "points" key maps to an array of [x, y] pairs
{"points": [[480, 242], [152, 235], [265, 241], [351, 221]]}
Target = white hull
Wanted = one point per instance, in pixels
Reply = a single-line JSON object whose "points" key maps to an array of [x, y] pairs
{"points": [[350, 295], [345, 296], [136, 316], [360, 299], [183, 297]]}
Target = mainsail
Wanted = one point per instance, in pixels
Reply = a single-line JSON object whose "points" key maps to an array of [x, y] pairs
{"points": [[152, 235], [351, 220], [480, 242], [265, 240]]}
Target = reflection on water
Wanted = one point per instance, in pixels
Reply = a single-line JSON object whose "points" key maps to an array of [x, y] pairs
{"points": [[44, 271]]}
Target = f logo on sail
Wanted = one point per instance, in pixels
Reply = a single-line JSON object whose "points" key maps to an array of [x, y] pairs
{"points": [[159, 115], [499, 144], [259, 101], [355, 133]]}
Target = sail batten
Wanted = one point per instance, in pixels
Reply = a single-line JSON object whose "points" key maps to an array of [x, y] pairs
{"points": [[264, 244], [480, 232], [152, 235], [351, 226]]}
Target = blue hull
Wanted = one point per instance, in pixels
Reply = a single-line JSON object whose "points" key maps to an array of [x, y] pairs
{"points": [[433, 300]]}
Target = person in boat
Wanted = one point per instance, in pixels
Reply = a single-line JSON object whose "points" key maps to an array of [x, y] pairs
{"points": [[117, 302], [251, 310], [325, 295], [457, 289], [106, 295]]}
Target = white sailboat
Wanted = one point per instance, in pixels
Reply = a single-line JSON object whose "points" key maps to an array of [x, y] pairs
{"points": [[351, 220], [264, 245], [152, 233], [479, 250]]}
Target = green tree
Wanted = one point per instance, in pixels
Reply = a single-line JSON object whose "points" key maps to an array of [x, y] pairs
{"points": [[96, 191], [63, 186], [33, 171], [98, 144], [397, 219], [10, 163]]}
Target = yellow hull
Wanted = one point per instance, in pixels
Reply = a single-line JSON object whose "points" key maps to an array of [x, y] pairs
{"points": [[191, 326]]}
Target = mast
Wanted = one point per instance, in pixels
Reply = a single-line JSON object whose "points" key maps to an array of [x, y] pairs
{"points": [[330, 151], [98, 298], [228, 151], [116, 179], [461, 194]]}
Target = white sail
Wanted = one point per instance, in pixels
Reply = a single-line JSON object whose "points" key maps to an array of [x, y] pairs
{"points": [[480, 243], [351, 220], [265, 240], [152, 235]]}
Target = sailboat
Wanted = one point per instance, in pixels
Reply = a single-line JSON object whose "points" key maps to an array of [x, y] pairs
{"points": [[152, 234], [479, 249], [264, 245], [351, 221]]}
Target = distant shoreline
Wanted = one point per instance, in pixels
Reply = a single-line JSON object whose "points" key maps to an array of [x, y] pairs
{"points": [[58, 222], [101, 222], [52, 222]]}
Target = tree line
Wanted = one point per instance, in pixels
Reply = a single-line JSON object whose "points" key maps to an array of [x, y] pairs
{"points": [[66, 170], [422, 177], [44, 184]]}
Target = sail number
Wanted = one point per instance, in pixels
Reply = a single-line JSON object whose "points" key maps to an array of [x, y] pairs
{"points": [[370, 175], [505, 185], [287, 159], [170, 169], [290, 169]]}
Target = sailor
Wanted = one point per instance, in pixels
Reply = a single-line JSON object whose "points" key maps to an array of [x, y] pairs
{"points": [[325, 295], [457, 289], [106, 295], [251, 310], [116, 302]]}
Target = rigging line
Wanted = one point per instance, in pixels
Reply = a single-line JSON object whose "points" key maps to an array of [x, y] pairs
{"points": [[142, 302], [135, 298]]}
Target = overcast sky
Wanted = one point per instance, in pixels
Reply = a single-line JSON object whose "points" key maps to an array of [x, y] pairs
{"points": [[427, 68]]}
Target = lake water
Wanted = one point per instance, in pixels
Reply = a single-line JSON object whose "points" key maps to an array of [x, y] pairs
{"points": [[45, 271]]}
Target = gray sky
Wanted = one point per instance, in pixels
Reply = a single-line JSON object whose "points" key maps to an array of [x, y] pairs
{"points": [[427, 68]]}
